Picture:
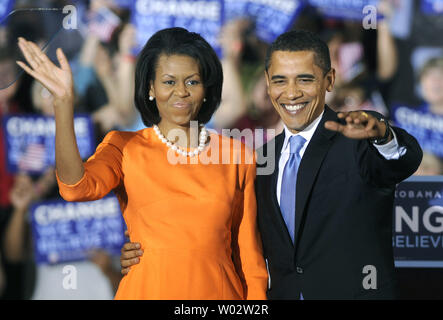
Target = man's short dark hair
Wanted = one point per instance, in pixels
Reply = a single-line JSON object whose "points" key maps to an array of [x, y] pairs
{"points": [[177, 41], [300, 40]]}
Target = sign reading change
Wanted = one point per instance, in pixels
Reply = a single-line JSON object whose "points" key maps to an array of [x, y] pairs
{"points": [[30, 141], [67, 231]]}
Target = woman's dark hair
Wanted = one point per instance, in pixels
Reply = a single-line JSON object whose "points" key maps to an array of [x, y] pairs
{"points": [[301, 40], [177, 41]]}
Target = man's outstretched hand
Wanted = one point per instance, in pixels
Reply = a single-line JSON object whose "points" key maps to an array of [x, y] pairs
{"points": [[359, 125], [131, 252]]}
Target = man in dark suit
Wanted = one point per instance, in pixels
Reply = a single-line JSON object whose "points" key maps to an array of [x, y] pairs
{"points": [[326, 226], [325, 213]]}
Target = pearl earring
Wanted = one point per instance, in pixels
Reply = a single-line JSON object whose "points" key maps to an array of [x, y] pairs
{"points": [[151, 98], [204, 99]]}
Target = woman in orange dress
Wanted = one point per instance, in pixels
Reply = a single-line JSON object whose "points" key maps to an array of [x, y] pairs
{"points": [[192, 211]]}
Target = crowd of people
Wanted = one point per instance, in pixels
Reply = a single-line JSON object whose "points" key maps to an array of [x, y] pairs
{"points": [[369, 66]]}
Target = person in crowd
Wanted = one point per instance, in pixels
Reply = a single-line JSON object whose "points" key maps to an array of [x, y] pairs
{"points": [[14, 99], [242, 56], [425, 121], [365, 67], [431, 165], [325, 213], [260, 113], [2, 277], [205, 249], [16, 241], [41, 282], [104, 79], [431, 82], [104, 285], [8, 89]]}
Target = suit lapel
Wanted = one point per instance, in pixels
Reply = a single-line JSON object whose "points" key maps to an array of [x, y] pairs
{"points": [[310, 165]]}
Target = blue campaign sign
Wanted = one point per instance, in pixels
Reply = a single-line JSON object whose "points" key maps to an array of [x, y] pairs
{"points": [[123, 3], [201, 16], [272, 18], [30, 141], [432, 7], [418, 222], [427, 128], [68, 231], [5, 9], [342, 9]]}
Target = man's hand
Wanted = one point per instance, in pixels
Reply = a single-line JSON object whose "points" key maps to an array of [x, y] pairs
{"points": [[359, 125], [130, 255]]}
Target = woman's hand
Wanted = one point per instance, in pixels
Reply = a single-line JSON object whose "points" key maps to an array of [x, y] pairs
{"points": [[57, 80]]}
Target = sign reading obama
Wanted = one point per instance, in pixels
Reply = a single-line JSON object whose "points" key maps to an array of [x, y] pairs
{"points": [[418, 222]]}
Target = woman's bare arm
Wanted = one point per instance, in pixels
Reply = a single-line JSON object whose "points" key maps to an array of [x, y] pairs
{"points": [[58, 80]]}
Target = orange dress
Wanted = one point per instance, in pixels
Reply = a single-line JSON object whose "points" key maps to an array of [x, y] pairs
{"points": [[196, 222]]}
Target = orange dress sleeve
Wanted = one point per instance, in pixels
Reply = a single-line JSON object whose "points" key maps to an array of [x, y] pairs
{"points": [[247, 246], [102, 171]]}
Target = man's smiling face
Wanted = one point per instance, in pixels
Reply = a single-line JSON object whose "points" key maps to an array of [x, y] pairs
{"points": [[297, 87]]}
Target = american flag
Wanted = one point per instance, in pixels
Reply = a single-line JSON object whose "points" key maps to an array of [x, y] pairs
{"points": [[33, 159], [102, 24]]}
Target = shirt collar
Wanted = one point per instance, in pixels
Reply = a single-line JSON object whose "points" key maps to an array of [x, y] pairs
{"points": [[307, 133]]}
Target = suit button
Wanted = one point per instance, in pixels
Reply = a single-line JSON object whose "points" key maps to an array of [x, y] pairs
{"points": [[299, 270]]}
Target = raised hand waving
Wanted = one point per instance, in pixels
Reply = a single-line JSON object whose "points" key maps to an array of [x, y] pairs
{"points": [[58, 80]]}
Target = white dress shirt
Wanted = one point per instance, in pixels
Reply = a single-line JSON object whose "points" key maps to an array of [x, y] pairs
{"points": [[390, 150]]}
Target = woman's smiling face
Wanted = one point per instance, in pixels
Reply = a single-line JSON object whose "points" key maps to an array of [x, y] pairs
{"points": [[178, 90]]}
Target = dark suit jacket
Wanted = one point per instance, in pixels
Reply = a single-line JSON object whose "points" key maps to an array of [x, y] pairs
{"points": [[344, 201]]}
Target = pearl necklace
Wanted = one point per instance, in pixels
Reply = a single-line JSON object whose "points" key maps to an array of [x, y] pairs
{"points": [[179, 150]]}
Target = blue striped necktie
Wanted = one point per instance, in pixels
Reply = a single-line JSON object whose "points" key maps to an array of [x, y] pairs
{"points": [[289, 183]]}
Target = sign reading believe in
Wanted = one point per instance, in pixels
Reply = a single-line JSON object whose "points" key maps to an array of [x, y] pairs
{"points": [[418, 222], [67, 231], [30, 141]]}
